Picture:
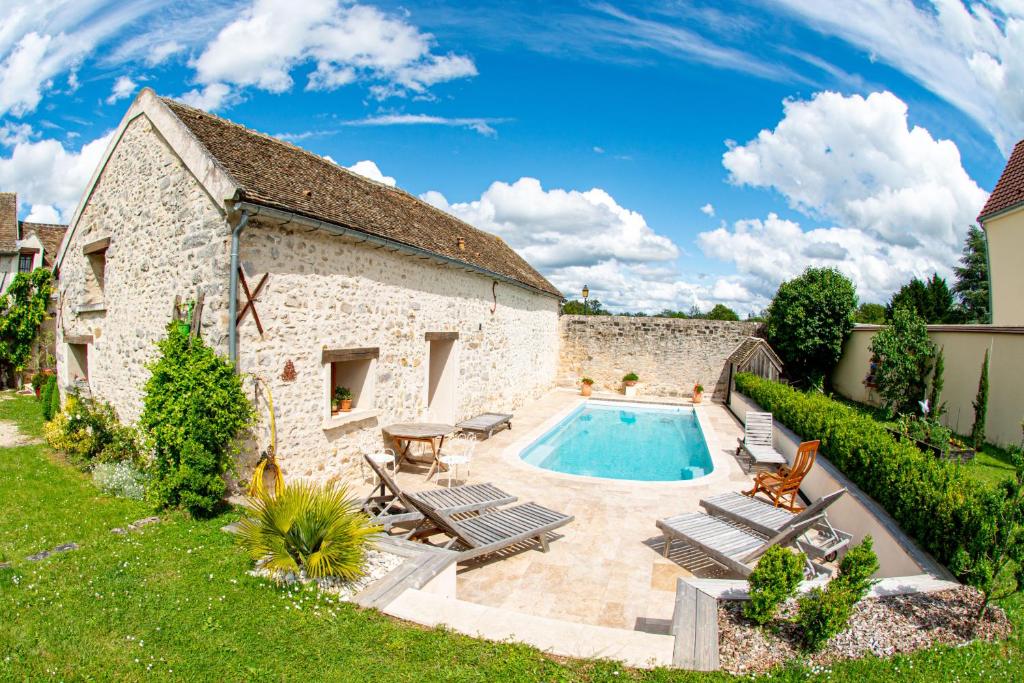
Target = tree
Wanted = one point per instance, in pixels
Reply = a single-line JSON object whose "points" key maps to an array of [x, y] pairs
{"points": [[669, 313], [971, 285], [808, 321], [722, 312], [981, 406], [936, 408], [905, 355], [870, 314], [577, 307], [931, 300], [22, 311]]}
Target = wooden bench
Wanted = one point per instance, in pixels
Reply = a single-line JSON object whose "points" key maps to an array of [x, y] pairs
{"points": [[695, 627], [488, 423]]}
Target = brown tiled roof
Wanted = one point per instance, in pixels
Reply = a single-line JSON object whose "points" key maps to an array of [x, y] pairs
{"points": [[8, 221], [279, 175], [49, 234], [1009, 191], [742, 353]]}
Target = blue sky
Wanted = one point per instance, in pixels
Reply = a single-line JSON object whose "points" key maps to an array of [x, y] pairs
{"points": [[668, 154]]}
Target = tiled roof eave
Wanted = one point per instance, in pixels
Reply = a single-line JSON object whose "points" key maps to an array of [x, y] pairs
{"points": [[258, 206]]}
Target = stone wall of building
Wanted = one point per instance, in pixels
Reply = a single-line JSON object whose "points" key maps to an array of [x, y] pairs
{"points": [[670, 355], [325, 291], [167, 238]]}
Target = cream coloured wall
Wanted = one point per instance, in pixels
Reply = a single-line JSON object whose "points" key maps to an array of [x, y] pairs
{"points": [[1005, 236], [964, 347], [326, 291]]}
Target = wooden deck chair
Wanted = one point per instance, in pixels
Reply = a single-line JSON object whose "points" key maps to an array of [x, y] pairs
{"points": [[735, 548], [385, 507], [766, 519], [490, 531], [783, 486], [757, 441]]}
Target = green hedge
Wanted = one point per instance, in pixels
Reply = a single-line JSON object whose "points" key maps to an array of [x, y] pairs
{"points": [[952, 516]]}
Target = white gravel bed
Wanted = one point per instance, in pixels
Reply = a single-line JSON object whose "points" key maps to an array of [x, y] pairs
{"points": [[879, 626], [378, 564]]}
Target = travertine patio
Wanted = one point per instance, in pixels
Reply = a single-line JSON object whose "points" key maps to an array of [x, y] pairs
{"points": [[606, 568]]}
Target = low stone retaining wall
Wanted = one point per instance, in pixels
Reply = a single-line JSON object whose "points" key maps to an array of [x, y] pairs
{"points": [[669, 354]]}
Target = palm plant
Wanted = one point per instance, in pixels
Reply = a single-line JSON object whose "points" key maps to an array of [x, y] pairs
{"points": [[316, 529]]}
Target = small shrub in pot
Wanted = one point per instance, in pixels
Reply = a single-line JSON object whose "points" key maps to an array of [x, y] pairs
{"points": [[630, 379], [586, 386]]}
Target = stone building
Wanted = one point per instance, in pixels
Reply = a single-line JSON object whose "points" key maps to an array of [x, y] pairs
{"points": [[24, 245], [352, 283]]}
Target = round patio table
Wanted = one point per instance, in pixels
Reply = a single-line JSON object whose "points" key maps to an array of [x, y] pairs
{"points": [[405, 433]]}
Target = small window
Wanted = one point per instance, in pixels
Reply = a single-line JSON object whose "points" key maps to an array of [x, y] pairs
{"points": [[25, 263], [78, 363], [96, 270], [349, 377]]}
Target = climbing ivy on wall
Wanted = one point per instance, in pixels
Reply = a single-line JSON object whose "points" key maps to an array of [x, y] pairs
{"points": [[22, 311]]}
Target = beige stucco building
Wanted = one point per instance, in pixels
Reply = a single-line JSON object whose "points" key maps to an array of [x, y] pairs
{"points": [[1003, 221], [354, 284]]}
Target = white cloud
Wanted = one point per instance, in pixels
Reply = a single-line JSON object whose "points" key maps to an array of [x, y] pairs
{"points": [[899, 201], [49, 177], [14, 133], [44, 213], [369, 169], [484, 126], [210, 97], [971, 55], [346, 42], [123, 87], [161, 52], [708, 209]]}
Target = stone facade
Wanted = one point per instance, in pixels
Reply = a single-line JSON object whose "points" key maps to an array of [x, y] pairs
{"points": [[169, 237], [325, 292], [670, 355]]}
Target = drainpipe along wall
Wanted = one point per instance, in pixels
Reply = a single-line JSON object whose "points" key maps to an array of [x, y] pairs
{"points": [[236, 235]]}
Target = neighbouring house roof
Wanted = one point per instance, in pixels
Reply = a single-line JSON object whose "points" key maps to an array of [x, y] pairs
{"points": [[279, 175], [8, 222], [51, 235], [1009, 191], [751, 345]]}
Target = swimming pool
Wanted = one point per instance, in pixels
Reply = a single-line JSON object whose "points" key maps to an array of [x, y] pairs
{"points": [[624, 442]]}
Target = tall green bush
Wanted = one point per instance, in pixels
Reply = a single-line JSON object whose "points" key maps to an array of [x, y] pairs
{"points": [[951, 515], [981, 406], [46, 398], [193, 410], [905, 356], [824, 614], [773, 581], [22, 311], [809, 319], [935, 407]]}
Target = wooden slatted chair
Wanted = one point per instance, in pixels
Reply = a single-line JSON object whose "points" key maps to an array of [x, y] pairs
{"points": [[757, 441], [385, 507], [783, 486], [490, 531]]}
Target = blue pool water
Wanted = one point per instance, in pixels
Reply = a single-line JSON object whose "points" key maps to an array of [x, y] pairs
{"points": [[616, 442]]}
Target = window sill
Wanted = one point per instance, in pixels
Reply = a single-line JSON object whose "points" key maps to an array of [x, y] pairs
{"points": [[342, 419], [91, 308]]}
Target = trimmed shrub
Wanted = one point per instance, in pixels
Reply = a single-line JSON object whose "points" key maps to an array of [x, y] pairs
{"points": [[193, 409], [823, 614], [46, 396], [773, 581], [950, 514], [119, 479], [981, 406], [857, 566]]}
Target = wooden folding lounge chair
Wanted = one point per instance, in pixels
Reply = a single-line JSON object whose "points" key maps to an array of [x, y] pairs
{"points": [[768, 520], [484, 426], [385, 507], [757, 441], [783, 486], [490, 531], [735, 548]]}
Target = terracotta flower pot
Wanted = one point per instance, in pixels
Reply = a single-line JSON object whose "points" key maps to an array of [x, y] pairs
{"points": [[698, 397], [346, 405], [630, 383], [586, 389]]}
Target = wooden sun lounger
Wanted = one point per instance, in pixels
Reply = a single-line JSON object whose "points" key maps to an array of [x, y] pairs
{"points": [[768, 520], [732, 547], [385, 506], [757, 441], [493, 530], [488, 424]]}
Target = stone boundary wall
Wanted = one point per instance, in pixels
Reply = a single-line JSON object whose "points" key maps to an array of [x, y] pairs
{"points": [[669, 354]]}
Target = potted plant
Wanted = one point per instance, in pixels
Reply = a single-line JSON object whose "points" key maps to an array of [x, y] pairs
{"points": [[698, 393], [586, 386], [342, 400], [630, 380]]}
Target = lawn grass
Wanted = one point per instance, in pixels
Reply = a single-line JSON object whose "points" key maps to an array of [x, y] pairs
{"points": [[173, 602]]}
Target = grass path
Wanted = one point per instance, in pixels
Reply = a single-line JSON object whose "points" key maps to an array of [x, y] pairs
{"points": [[173, 602]]}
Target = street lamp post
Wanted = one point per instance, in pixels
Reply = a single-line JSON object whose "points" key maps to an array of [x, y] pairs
{"points": [[586, 295]]}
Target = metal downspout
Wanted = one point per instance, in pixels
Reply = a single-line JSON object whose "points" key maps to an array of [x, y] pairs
{"points": [[233, 289]]}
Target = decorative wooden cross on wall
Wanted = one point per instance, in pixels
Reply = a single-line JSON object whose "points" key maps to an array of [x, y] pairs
{"points": [[250, 303]]}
